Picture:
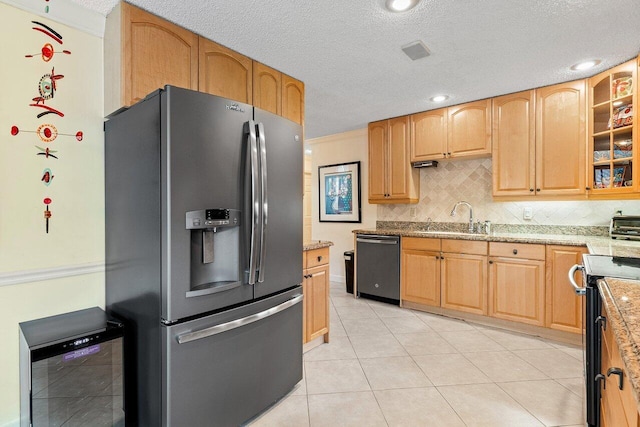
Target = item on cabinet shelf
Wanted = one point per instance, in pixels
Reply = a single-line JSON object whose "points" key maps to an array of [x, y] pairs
{"points": [[623, 149], [623, 116], [618, 176], [602, 177], [601, 155], [621, 87]]}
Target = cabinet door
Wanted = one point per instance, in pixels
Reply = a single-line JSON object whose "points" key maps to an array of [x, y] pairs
{"points": [[378, 155], [563, 307], [156, 53], [399, 164], [514, 144], [516, 290], [464, 283], [429, 135], [316, 302], [267, 88], [561, 139], [420, 277], [224, 72], [469, 129], [292, 99]]}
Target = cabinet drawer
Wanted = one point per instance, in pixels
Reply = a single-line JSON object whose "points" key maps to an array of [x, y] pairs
{"points": [[471, 247], [516, 250], [316, 257], [421, 244]]}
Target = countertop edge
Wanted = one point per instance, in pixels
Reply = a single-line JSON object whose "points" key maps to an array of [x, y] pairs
{"points": [[629, 351], [319, 244]]}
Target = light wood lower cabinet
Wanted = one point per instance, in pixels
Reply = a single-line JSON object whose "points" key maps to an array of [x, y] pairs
{"points": [[440, 273], [618, 407], [420, 271], [315, 289], [517, 282], [464, 276], [564, 308]]}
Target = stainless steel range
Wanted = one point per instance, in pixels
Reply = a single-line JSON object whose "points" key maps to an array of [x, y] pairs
{"points": [[594, 268]]}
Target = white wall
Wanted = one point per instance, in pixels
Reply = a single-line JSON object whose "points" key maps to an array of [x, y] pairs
{"points": [[43, 274], [333, 149]]}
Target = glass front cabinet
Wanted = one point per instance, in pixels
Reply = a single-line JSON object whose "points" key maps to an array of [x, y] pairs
{"points": [[612, 136]]}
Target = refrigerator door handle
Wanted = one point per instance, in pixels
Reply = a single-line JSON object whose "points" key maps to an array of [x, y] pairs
{"points": [[255, 203], [223, 327], [265, 203]]}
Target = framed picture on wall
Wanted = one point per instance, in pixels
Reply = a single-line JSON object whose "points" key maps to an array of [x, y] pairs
{"points": [[339, 187]]}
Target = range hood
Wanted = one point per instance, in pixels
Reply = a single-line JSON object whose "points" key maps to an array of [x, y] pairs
{"points": [[425, 164]]}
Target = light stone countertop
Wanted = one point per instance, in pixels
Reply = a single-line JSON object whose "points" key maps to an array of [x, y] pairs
{"points": [[621, 300], [316, 244]]}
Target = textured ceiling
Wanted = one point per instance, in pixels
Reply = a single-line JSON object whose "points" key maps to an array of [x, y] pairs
{"points": [[348, 52]]}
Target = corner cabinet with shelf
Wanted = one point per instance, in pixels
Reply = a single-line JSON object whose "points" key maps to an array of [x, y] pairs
{"points": [[391, 177], [612, 134]]}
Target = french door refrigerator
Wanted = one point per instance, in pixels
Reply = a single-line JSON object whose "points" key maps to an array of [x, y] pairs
{"points": [[204, 256]]}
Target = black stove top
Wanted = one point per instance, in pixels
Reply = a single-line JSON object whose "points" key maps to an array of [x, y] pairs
{"points": [[597, 266]]}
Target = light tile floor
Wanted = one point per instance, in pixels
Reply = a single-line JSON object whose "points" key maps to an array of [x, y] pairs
{"points": [[388, 366]]}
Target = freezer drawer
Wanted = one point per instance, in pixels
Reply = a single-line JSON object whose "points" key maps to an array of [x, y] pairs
{"points": [[225, 368], [378, 266]]}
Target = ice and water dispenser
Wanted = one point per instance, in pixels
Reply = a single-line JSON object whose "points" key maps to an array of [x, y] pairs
{"points": [[215, 250]]}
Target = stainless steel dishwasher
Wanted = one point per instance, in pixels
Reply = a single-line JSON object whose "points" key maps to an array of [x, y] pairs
{"points": [[378, 267]]}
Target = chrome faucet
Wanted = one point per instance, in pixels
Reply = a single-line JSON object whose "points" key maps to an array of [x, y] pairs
{"points": [[453, 213]]}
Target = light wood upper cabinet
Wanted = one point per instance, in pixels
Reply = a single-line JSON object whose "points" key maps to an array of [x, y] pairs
{"points": [[514, 160], [378, 152], [292, 99], [267, 88], [429, 135], [391, 177], [469, 129], [564, 307], [460, 131], [224, 72], [561, 139], [143, 53], [278, 93]]}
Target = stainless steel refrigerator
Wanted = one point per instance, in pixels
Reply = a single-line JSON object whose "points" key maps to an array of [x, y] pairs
{"points": [[204, 256]]}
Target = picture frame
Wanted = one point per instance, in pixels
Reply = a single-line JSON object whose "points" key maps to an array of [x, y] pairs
{"points": [[339, 192]]}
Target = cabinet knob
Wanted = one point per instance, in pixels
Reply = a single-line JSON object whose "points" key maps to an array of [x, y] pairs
{"points": [[490, 262], [444, 154], [531, 189], [320, 258], [616, 371], [515, 252], [449, 154], [537, 189], [587, 188]]}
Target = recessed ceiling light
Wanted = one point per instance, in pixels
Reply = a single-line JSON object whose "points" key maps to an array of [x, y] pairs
{"points": [[581, 66], [439, 98], [400, 5]]}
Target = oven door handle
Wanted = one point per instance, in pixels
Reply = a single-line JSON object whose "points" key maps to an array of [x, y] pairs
{"points": [[578, 290]]}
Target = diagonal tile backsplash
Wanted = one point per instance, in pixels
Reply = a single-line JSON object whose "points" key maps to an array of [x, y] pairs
{"points": [[470, 180]]}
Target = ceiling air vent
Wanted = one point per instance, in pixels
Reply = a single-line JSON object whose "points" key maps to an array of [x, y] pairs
{"points": [[416, 50]]}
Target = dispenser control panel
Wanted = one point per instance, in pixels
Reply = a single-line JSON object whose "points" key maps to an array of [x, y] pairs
{"points": [[211, 218]]}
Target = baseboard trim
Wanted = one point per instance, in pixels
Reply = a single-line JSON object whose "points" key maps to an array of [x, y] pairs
{"points": [[39, 275]]}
